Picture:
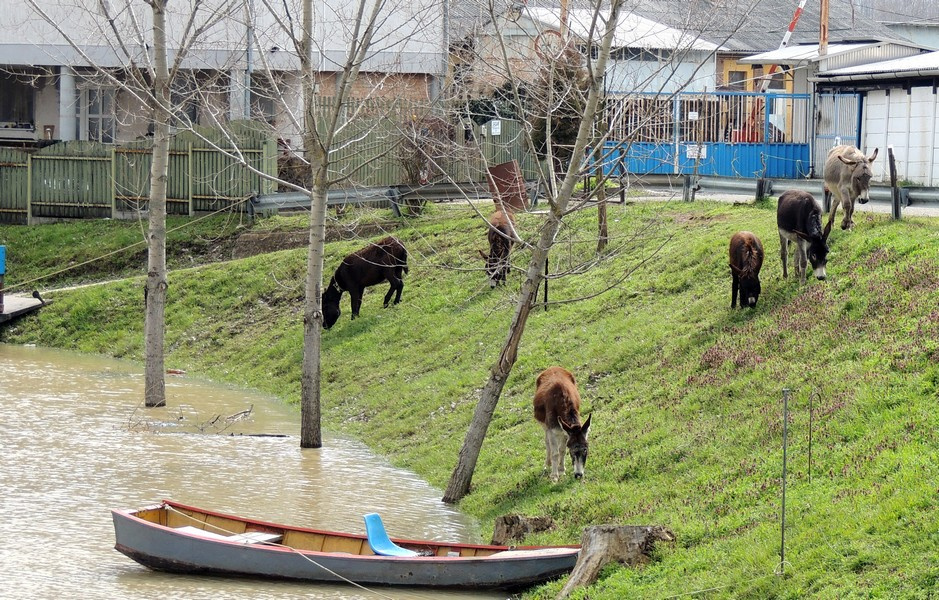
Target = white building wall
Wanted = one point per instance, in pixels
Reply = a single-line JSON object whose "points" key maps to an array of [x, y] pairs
{"points": [[910, 123]]}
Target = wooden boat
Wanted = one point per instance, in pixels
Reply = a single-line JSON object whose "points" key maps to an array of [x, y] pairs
{"points": [[183, 539]]}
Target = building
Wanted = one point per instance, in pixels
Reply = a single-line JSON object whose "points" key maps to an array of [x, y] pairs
{"points": [[68, 73], [900, 110]]}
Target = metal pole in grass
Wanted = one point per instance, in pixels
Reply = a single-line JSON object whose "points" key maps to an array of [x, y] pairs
{"points": [[811, 419], [894, 190], [782, 528]]}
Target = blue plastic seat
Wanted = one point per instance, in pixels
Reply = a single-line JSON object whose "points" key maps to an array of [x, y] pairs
{"points": [[379, 541]]}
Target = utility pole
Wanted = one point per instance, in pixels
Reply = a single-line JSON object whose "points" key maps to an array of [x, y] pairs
{"points": [[823, 29]]}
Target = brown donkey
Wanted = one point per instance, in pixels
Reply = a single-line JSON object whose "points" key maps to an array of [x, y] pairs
{"points": [[557, 408]]}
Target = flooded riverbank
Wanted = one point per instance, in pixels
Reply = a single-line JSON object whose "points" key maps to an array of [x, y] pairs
{"points": [[77, 442]]}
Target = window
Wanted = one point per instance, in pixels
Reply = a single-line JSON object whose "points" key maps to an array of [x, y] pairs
{"points": [[737, 80], [96, 113], [16, 103]]}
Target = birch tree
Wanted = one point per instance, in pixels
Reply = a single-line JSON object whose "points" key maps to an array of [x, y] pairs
{"points": [[462, 475], [372, 33], [124, 47], [556, 87]]}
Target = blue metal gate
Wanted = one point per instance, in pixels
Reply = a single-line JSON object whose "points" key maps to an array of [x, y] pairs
{"points": [[723, 133]]}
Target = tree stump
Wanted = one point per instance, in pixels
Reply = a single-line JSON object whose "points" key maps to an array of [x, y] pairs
{"points": [[601, 544], [516, 527]]}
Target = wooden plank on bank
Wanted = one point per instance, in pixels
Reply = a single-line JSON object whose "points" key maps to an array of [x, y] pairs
{"points": [[16, 306]]}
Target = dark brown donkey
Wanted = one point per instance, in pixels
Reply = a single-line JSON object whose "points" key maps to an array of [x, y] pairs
{"points": [[746, 259], [501, 237], [557, 408], [384, 260], [799, 219]]}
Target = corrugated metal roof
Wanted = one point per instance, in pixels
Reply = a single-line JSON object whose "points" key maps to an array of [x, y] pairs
{"points": [[921, 64], [750, 26], [794, 55], [633, 30]]}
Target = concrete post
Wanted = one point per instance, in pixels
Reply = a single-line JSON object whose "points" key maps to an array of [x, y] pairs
{"points": [[67, 108]]}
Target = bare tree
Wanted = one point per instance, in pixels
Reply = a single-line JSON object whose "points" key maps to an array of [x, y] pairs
{"points": [[462, 475], [136, 50], [369, 29], [572, 82]]}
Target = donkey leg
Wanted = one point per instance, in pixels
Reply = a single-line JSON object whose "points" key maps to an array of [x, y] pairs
{"points": [[356, 298], [784, 253], [802, 260], [549, 452], [848, 215], [557, 453], [733, 291]]}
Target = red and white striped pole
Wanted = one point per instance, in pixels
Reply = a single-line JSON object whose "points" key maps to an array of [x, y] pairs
{"points": [[785, 42]]}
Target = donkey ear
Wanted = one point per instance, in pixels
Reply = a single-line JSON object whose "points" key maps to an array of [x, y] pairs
{"points": [[733, 268], [564, 425], [483, 254], [826, 231], [586, 426], [846, 161], [871, 158]]}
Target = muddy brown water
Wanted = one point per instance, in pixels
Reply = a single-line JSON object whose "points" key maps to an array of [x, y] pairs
{"points": [[75, 442]]}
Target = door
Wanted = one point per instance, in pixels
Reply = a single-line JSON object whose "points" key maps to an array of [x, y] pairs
{"points": [[838, 118]]}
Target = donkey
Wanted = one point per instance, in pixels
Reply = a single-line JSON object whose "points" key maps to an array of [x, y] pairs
{"points": [[557, 408], [501, 239], [848, 178], [384, 260], [799, 219], [746, 259]]}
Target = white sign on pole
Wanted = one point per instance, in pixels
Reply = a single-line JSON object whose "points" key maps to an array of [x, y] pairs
{"points": [[495, 127]]}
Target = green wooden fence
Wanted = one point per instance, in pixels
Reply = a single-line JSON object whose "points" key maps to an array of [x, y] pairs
{"points": [[206, 169], [76, 180]]}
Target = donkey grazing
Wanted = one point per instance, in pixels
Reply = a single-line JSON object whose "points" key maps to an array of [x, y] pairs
{"points": [[799, 218], [557, 408], [848, 178], [746, 259], [501, 239], [384, 260]]}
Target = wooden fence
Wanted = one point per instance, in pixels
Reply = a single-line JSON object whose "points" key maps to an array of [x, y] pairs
{"points": [[91, 180], [74, 180]]}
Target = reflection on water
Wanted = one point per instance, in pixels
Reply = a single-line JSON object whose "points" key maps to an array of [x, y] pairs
{"points": [[76, 442]]}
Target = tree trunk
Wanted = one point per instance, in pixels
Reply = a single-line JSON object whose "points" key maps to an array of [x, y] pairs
{"points": [[155, 321], [310, 407], [602, 544], [462, 475], [310, 400]]}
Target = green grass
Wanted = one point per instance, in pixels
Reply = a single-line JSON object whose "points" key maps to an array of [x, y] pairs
{"points": [[686, 393]]}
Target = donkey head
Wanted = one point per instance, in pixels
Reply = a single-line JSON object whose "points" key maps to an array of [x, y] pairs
{"points": [[817, 250], [861, 175], [577, 444], [749, 285], [331, 310]]}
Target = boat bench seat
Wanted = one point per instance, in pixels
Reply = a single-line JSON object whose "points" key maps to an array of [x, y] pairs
{"points": [[249, 537]]}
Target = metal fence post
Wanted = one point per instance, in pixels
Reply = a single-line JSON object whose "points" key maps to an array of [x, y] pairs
{"points": [[782, 527], [894, 190]]}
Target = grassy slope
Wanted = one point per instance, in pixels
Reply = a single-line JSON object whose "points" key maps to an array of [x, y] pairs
{"points": [[686, 393]]}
